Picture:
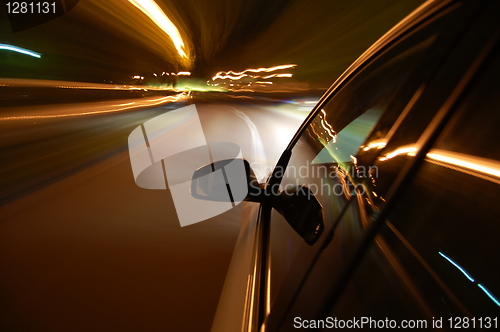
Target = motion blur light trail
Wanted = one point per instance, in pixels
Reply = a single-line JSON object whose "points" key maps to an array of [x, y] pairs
{"points": [[19, 82], [152, 28], [480, 167], [113, 40], [83, 110], [235, 78], [238, 75], [278, 75], [471, 279], [20, 50], [154, 12]]}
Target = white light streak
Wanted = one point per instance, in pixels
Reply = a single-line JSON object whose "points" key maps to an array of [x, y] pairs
{"points": [[154, 12], [20, 50]]}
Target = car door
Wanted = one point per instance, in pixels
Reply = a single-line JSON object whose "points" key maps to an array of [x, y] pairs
{"points": [[438, 231], [335, 158]]}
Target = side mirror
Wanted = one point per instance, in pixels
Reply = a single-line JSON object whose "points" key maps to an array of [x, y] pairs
{"points": [[229, 180], [232, 180]]}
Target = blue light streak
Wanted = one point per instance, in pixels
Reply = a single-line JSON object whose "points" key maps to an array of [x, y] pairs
{"points": [[19, 50], [484, 289], [491, 296], [457, 266]]}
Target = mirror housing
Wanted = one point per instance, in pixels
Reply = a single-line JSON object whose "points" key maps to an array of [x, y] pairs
{"points": [[226, 180], [232, 180]]}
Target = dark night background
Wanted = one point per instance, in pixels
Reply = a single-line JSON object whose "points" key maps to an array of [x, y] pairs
{"points": [[111, 40], [82, 247]]}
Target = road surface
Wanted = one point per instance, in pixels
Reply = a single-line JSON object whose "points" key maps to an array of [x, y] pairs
{"points": [[82, 248]]}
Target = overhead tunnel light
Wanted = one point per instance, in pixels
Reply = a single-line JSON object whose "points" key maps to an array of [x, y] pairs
{"points": [[156, 14]]}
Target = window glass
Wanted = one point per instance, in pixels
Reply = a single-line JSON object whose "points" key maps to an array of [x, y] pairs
{"points": [[348, 118], [400, 93], [344, 145], [365, 107]]}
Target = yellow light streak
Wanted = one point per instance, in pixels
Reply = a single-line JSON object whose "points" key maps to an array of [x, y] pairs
{"points": [[377, 144], [328, 127], [154, 12], [480, 167], [80, 85], [143, 104], [258, 70], [268, 291], [406, 150], [277, 75], [484, 168], [224, 75]]}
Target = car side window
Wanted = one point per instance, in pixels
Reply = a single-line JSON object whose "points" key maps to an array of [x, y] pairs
{"points": [[348, 118], [367, 106]]}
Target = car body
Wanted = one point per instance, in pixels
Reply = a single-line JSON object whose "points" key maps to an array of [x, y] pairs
{"points": [[399, 169]]}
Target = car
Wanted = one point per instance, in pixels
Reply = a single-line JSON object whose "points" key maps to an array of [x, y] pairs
{"points": [[382, 212]]}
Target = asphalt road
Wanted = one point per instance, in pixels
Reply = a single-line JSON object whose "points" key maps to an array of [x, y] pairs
{"points": [[82, 248]]}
